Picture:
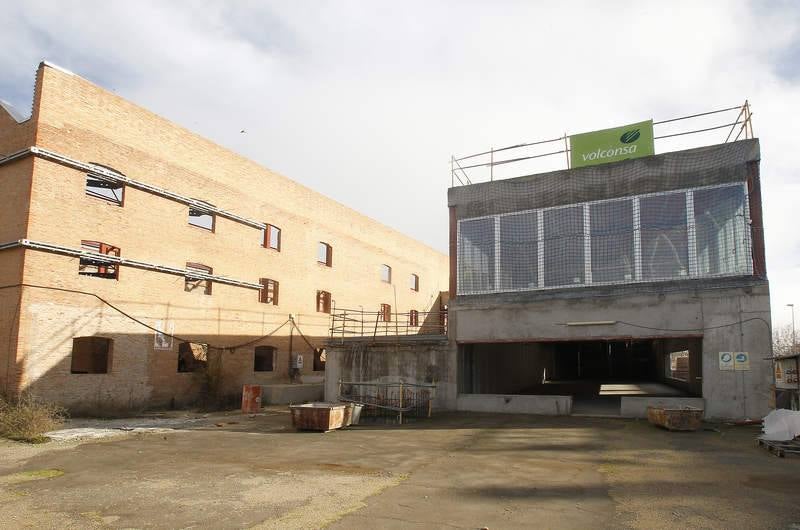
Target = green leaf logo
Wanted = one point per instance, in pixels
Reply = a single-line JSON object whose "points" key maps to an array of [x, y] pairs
{"points": [[630, 136]]}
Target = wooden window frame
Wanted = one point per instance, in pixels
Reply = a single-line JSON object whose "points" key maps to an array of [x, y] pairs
{"points": [[414, 282], [323, 302], [267, 242], [107, 271], [386, 313], [328, 254], [198, 267], [413, 318], [263, 293]]}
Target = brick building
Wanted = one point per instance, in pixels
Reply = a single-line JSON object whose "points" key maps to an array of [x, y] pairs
{"points": [[116, 223]]}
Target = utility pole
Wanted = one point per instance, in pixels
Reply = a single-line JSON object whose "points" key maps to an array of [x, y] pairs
{"points": [[794, 342]]}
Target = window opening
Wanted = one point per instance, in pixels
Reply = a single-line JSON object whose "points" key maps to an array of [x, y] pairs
{"points": [[264, 359], [88, 266], [192, 356], [91, 355], [386, 274], [325, 254], [194, 284], [323, 302], [202, 218], [268, 294], [105, 188], [386, 313], [320, 356], [272, 237]]}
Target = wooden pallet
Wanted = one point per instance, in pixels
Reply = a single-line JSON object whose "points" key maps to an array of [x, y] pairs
{"points": [[781, 449]]}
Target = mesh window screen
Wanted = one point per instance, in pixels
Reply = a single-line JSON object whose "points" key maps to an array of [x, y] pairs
{"points": [[723, 241], [563, 246], [612, 241], [665, 251], [476, 255], [701, 232], [519, 252]]}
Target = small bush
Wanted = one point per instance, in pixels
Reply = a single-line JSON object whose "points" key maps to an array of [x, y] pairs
{"points": [[26, 419]]}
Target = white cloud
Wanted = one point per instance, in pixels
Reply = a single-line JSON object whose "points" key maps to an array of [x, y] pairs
{"points": [[365, 101]]}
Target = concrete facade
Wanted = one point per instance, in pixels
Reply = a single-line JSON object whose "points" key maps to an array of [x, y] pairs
{"points": [[410, 359], [729, 313], [45, 201]]}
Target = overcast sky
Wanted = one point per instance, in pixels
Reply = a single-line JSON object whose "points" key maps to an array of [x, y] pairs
{"points": [[366, 101]]}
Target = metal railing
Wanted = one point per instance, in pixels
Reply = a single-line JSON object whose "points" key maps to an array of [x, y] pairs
{"points": [[389, 400], [360, 323], [663, 129]]}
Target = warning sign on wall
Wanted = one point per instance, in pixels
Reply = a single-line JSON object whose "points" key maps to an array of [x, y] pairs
{"points": [[725, 360], [734, 360], [741, 360]]}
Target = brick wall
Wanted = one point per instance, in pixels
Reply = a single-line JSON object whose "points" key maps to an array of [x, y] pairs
{"points": [[87, 123]]}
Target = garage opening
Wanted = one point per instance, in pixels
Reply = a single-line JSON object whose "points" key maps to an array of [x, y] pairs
{"points": [[595, 373]]}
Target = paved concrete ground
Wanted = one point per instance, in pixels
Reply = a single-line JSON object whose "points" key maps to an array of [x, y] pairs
{"points": [[454, 471]]}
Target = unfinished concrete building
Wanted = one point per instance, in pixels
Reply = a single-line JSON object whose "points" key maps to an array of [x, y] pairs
{"points": [[608, 288], [596, 290], [142, 265]]}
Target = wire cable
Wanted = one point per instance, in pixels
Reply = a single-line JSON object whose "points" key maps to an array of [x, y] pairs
{"points": [[144, 324]]}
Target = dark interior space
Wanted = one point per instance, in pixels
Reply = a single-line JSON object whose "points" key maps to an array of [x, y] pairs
{"points": [[599, 370]]}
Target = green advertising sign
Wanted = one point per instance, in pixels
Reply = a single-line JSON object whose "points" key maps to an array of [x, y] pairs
{"points": [[612, 145]]}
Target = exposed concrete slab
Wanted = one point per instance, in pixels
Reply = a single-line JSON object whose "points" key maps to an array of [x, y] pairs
{"points": [[728, 394], [517, 404], [667, 171], [636, 406]]}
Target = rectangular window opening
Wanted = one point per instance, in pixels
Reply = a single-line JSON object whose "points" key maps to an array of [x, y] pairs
{"points": [[323, 302], [91, 355], [197, 284], [386, 313], [413, 318], [413, 282], [268, 294], [320, 356], [325, 254], [272, 237], [264, 359], [89, 266], [192, 357], [386, 274], [105, 188], [201, 217]]}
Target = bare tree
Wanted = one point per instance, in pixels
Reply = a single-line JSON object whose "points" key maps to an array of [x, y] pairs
{"points": [[782, 340]]}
